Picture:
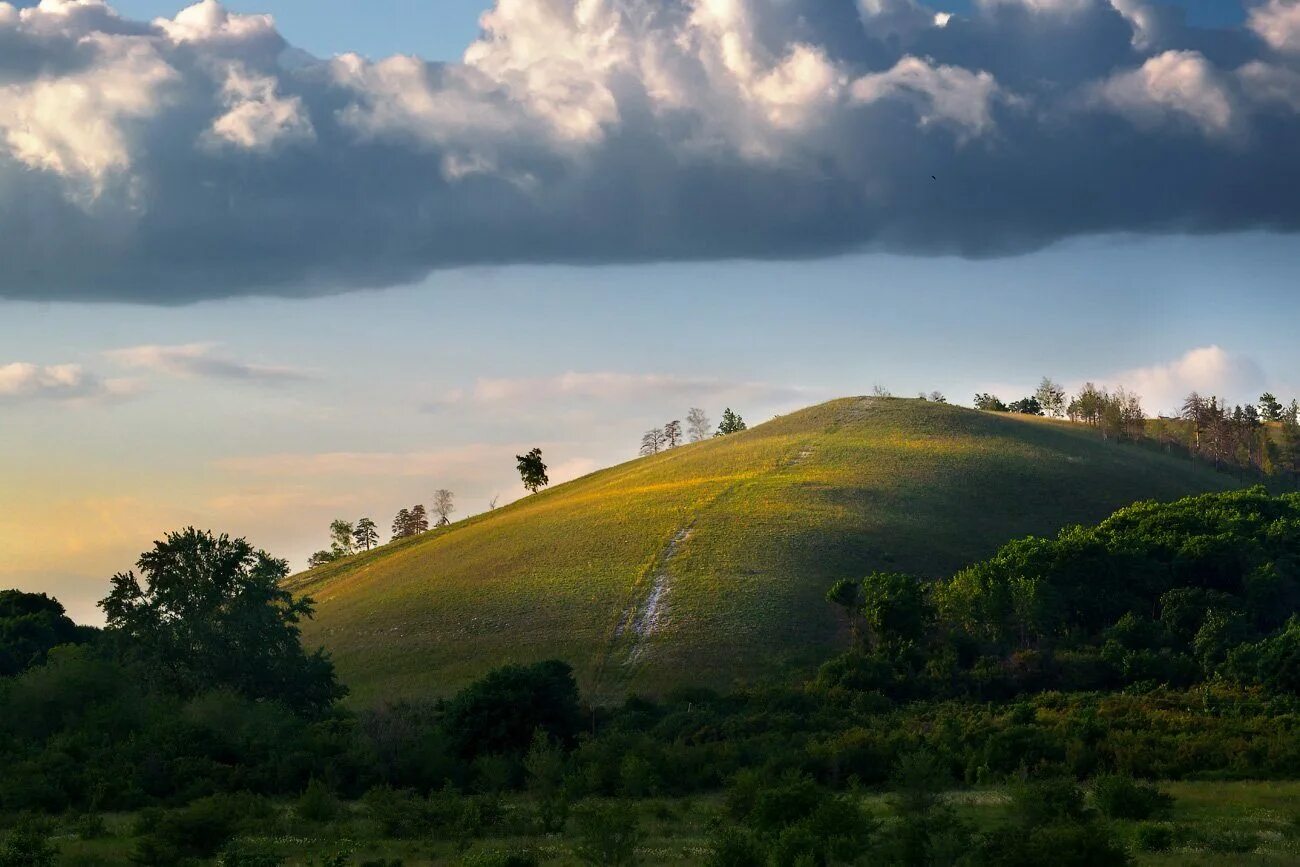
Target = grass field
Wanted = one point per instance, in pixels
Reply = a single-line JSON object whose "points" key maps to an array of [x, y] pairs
{"points": [[1219, 824], [707, 564]]}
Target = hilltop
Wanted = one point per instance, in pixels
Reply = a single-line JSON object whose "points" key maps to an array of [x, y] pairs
{"points": [[707, 564]]}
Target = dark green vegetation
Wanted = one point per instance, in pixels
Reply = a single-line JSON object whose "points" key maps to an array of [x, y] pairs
{"points": [[1000, 716], [707, 564], [1156, 595]]}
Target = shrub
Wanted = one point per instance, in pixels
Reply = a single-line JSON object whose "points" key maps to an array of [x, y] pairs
{"points": [[317, 803], [1069, 844], [1155, 838], [27, 845], [734, 847], [608, 834], [1046, 802], [1119, 796]]}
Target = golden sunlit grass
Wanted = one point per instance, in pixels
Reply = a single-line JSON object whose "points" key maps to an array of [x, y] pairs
{"points": [[775, 514]]}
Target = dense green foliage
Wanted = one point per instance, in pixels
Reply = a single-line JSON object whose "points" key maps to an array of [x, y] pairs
{"points": [[211, 614], [32, 624], [1158, 594]]}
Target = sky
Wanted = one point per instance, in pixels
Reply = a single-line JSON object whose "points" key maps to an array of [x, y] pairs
{"points": [[255, 283]]}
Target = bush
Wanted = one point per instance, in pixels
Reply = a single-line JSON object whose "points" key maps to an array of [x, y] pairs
{"points": [[200, 829], [1119, 796], [608, 834], [317, 803], [1069, 844], [734, 847], [1047, 802], [27, 845], [1155, 838]]}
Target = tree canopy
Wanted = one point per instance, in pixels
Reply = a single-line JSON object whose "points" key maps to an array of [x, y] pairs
{"points": [[211, 614]]}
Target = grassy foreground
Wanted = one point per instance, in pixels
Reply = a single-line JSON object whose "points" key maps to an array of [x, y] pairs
{"points": [[707, 564], [1221, 824]]}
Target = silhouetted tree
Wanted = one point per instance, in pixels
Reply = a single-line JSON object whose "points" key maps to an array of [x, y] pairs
{"points": [[211, 614], [31, 625], [1270, 408], [402, 524], [532, 471], [698, 425], [673, 434], [731, 423], [989, 403], [443, 506], [365, 535], [1026, 406], [937, 397], [419, 519]]}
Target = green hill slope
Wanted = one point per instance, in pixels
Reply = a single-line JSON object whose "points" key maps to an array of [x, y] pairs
{"points": [[707, 564]]}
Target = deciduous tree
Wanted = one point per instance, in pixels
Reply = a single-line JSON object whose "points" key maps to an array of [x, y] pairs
{"points": [[532, 471], [698, 425], [443, 506], [211, 614], [1051, 397]]}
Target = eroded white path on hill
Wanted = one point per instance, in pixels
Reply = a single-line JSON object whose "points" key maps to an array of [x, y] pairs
{"points": [[648, 617]]}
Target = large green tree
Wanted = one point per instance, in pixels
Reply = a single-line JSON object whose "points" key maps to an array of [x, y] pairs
{"points": [[31, 624], [532, 471], [207, 612]]}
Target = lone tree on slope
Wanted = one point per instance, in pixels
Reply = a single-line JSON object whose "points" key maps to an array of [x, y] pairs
{"points": [[365, 535], [532, 470], [731, 423], [673, 434], [443, 506], [652, 441], [698, 425]]}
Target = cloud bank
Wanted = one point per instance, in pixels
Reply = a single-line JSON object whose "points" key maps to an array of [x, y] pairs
{"points": [[196, 360], [202, 156]]}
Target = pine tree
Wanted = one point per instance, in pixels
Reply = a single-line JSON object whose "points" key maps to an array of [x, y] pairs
{"points": [[1270, 408], [673, 434], [402, 524], [365, 534], [419, 520], [731, 423]]}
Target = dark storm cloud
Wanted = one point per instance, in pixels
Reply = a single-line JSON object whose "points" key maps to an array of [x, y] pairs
{"points": [[203, 157]]}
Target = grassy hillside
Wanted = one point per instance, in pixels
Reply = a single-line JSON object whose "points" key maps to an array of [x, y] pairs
{"points": [[707, 564]]}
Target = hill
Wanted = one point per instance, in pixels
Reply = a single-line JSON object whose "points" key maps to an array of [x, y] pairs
{"points": [[707, 564]]}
